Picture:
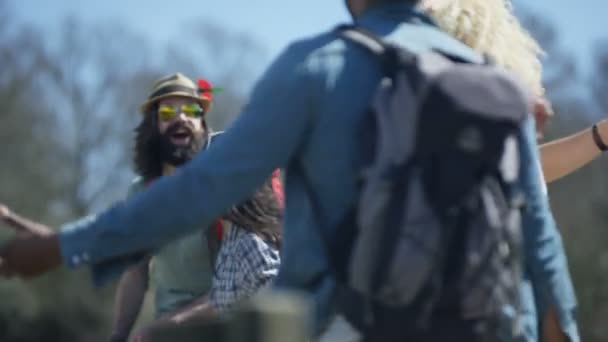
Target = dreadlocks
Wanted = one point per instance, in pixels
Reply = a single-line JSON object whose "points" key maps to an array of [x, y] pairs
{"points": [[261, 214]]}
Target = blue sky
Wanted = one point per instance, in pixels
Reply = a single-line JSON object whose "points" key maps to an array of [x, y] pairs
{"points": [[274, 23]]}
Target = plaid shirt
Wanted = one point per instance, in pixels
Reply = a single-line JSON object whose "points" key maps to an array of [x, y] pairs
{"points": [[245, 264]]}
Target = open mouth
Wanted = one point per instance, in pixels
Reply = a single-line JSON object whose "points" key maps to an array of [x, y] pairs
{"points": [[181, 137]]}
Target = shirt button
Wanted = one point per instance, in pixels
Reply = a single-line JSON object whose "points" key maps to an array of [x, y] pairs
{"points": [[75, 260]]}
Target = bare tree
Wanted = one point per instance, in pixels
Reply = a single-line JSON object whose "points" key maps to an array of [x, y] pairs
{"points": [[93, 93], [66, 136], [24, 136], [231, 60]]}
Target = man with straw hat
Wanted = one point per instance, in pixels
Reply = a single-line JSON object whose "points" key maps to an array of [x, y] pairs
{"points": [[189, 282], [185, 273], [172, 130]]}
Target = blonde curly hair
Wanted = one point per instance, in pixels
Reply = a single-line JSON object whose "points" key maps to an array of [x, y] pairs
{"points": [[490, 27]]}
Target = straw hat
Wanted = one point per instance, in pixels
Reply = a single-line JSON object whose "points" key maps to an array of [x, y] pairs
{"points": [[179, 85]]}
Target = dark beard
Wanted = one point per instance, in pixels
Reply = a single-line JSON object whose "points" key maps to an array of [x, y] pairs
{"points": [[179, 155]]}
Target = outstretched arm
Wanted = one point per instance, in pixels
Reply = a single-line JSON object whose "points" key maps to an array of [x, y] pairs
{"points": [[561, 157], [129, 299], [21, 224], [35, 247], [273, 126]]}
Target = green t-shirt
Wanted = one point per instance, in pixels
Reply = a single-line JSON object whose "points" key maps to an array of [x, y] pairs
{"points": [[180, 271]]}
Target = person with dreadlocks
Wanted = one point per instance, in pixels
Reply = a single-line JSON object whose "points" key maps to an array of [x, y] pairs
{"points": [[490, 27], [172, 130], [209, 270], [168, 137]]}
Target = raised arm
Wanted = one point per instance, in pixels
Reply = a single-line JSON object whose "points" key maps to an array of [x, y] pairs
{"points": [[561, 157], [21, 224], [129, 300]]}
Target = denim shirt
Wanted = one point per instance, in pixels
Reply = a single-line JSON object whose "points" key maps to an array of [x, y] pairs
{"points": [[302, 116], [547, 279]]}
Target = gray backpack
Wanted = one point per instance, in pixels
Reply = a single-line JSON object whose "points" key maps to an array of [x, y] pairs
{"points": [[436, 229]]}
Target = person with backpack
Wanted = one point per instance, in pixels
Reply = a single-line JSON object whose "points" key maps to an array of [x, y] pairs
{"points": [[474, 22], [490, 27], [442, 191], [181, 271]]}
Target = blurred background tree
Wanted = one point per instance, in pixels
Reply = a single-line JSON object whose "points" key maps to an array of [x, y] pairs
{"points": [[69, 103], [69, 106]]}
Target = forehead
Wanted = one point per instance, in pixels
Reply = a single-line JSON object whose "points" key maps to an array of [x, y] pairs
{"points": [[176, 101]]}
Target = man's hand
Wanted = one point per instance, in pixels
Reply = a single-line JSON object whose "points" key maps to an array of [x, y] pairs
{"points": [[21, 225], [153, 329], [201, 310], [30, 255], [197, 312], [33, 252]]}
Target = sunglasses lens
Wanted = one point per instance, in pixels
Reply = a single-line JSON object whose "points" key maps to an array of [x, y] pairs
{"points": [[166, 113], [192, 110]]}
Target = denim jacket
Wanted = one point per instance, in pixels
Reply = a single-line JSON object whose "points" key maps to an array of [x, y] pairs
{"points": [[302, 116]]}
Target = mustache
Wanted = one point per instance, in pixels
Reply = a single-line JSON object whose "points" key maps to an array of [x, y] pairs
{"points": [[180, 126]]}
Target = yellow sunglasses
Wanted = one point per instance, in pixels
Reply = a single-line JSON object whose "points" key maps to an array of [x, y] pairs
{"points": [[167, 113]]}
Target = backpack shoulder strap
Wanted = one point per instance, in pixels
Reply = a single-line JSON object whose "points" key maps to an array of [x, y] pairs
{"points": [[363, 38], [388, 54], [375, 45]]}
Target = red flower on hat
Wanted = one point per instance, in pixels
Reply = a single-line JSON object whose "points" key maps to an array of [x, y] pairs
{"points": [[204, 88]]}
